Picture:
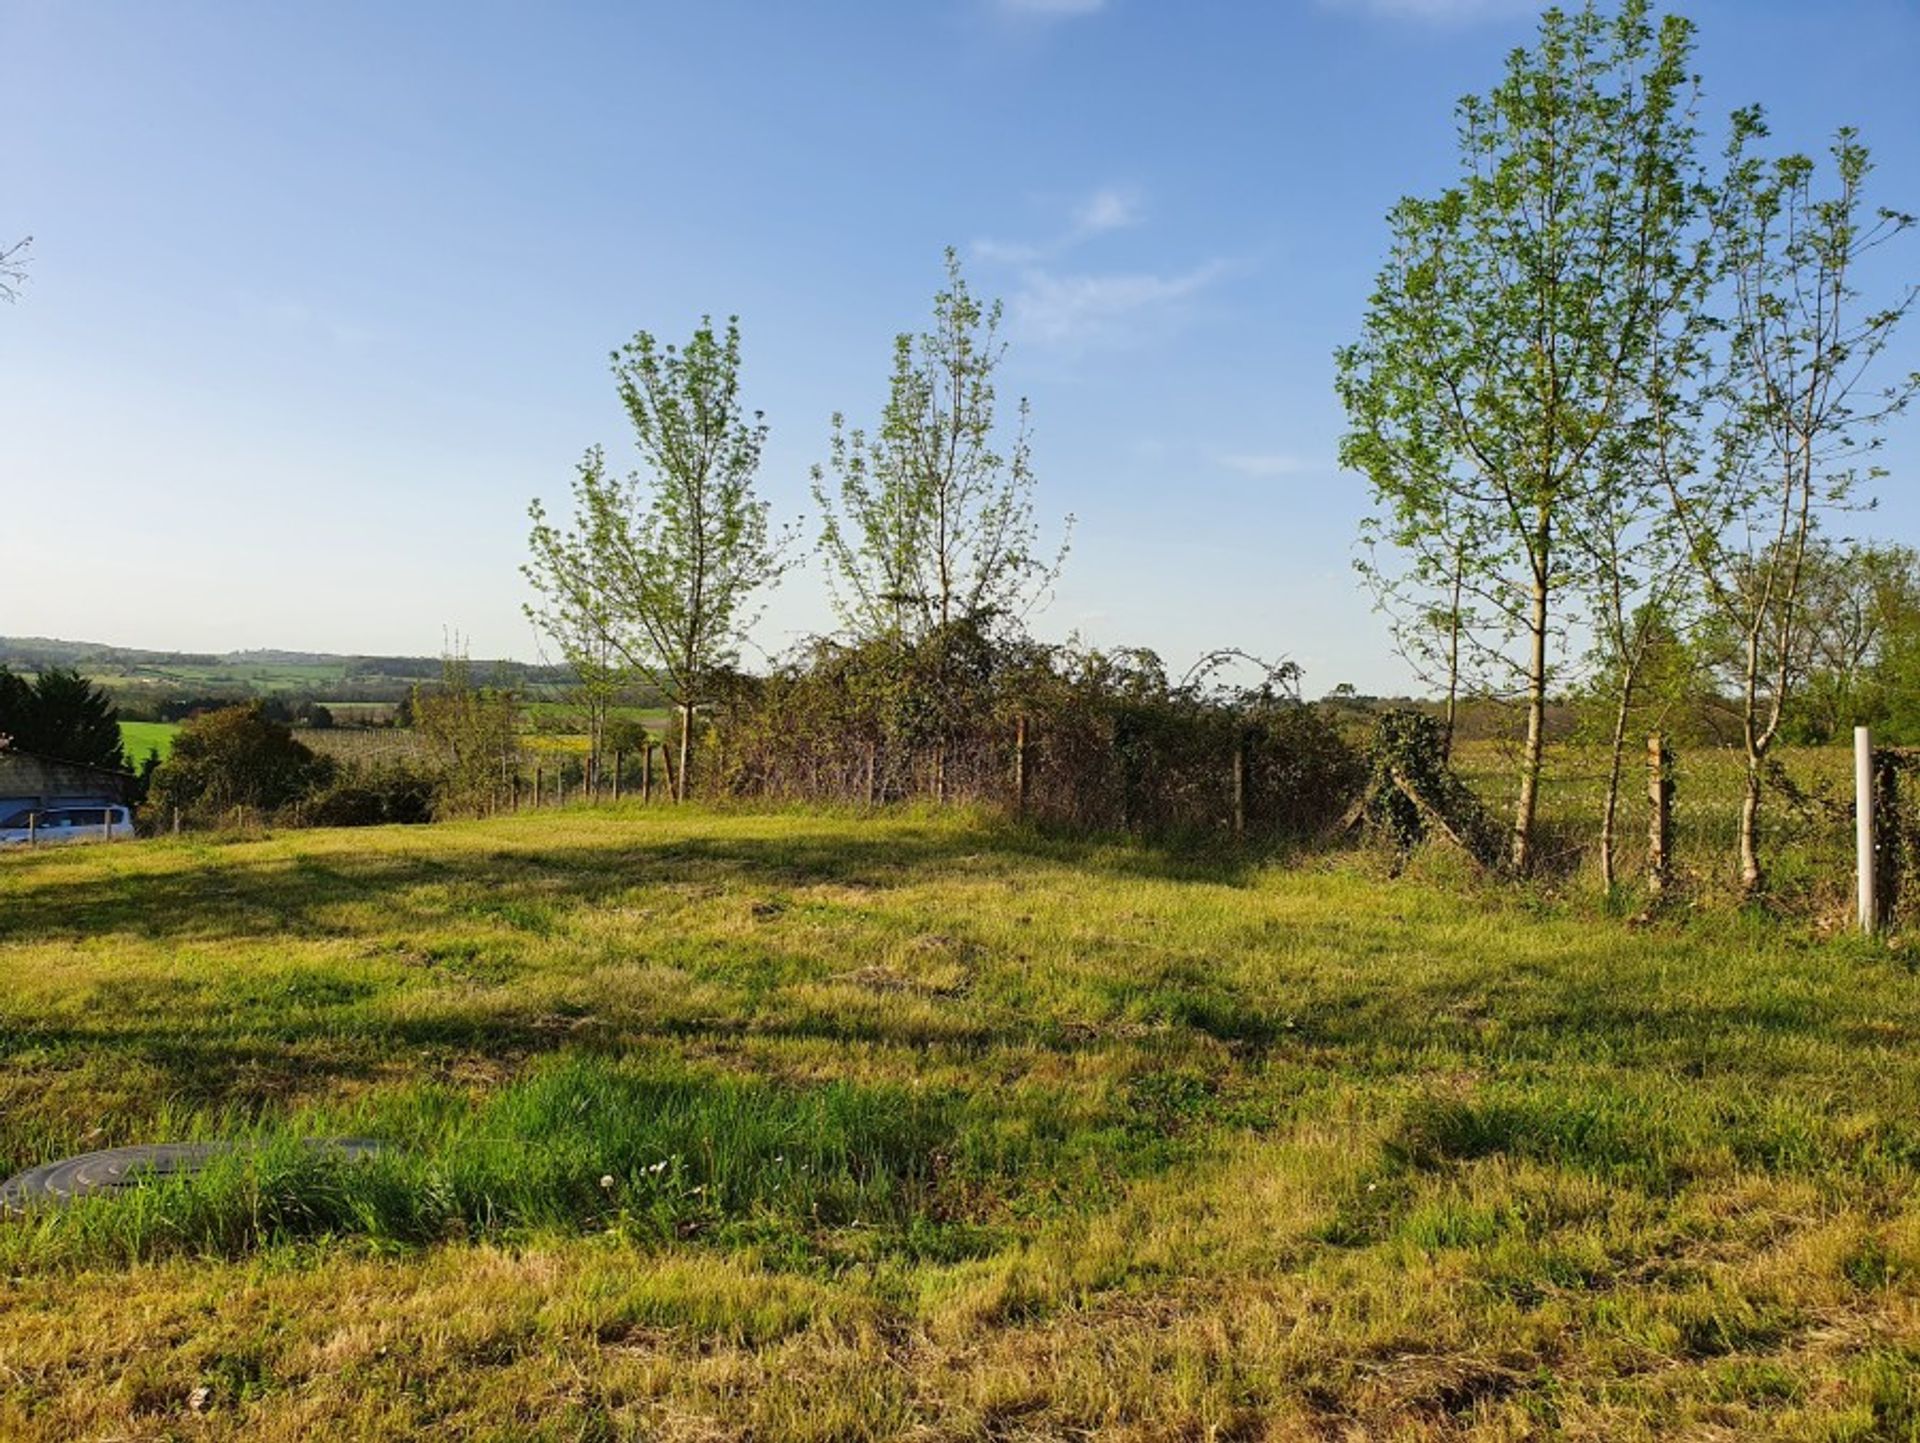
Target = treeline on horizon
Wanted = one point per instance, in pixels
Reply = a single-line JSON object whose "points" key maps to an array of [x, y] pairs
{"points": [[142, 689]]}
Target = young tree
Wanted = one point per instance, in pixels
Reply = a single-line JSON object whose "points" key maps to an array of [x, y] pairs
{"points": [[568, 615], [1638, 669], [1637, 585], [663, 568], [927, 523], [1507, 334], [1797, 419], [1417, 567], [474, 731]]}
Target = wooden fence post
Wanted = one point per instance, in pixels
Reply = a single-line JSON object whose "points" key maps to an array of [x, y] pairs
{"points": [[872, 796], [1659, 816], [176, 821], [619, 760], [1021, 775], [1863, 829], [646, 772], [539, 779], [1240, 785]]}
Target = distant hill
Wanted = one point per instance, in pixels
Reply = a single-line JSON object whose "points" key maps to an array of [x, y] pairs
{"points": [[138, 677], [24, 652]]}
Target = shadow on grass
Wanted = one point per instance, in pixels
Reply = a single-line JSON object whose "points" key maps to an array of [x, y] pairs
{"points": [[219, 1037], [237, 896]]}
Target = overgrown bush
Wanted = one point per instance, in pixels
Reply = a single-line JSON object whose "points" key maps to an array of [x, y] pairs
{"points": [[237, 757], [1414, 793], [370, 794], [241, 761], [473, 733], [1112, 743]]}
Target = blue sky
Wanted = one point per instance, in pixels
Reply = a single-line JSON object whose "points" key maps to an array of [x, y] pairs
{"points": [[321, 295]]}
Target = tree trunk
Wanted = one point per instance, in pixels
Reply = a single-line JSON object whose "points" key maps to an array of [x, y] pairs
{"points": [[1610, 808], [1752, 876], [686, 751], [1453, 663], [1528, 803], [1753, 879]]}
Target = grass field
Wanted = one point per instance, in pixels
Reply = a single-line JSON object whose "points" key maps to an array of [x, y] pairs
{"points": [[138, 738], [811, 1126], [541, 714]]}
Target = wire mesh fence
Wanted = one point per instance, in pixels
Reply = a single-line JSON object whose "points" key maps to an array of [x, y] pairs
{"points": [[1286, 774], [1806, 819]]}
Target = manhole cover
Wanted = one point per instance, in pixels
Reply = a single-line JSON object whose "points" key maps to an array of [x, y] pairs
{"points": [[117, 1168]]}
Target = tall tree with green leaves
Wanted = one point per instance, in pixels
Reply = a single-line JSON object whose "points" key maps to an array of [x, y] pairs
{"points": [[1509, 329], [1798, 421], [929, 518], [663, 566], [61, 715], [1638, 592]]}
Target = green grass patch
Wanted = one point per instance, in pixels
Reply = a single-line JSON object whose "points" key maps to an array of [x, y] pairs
{"points": [[808, 1124], [658, 1151], [139, 738]]}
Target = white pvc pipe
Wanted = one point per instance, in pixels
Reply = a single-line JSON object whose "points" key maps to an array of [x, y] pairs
{"points": [[1863, 827]]}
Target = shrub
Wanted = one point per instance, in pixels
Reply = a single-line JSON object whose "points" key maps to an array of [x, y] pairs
{"points": [[625, 735], [1112, 744], [370, 794], [1413, 791], [237, 757]]}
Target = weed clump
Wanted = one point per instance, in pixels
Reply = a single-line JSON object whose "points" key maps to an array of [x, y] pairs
{"points": [[658, 1151]]}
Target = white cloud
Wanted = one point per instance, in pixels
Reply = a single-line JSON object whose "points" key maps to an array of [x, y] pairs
{"points": [[1437, 12], [1110, 208], [1071, 310], [1264, 464]]}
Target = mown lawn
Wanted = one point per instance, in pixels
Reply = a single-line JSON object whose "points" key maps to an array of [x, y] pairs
{"points": [[799, 1125]]}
